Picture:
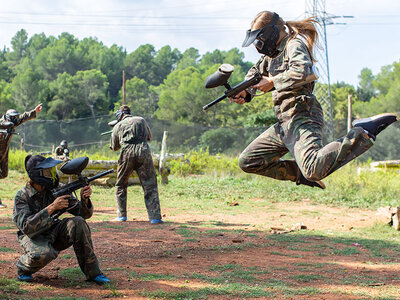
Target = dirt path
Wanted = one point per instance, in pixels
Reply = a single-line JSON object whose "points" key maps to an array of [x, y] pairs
{"points": [[236, 257]]}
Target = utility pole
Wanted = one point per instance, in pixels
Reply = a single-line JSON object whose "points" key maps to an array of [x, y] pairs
{"points": [[349, 113], [316, 8], [123, 88]]}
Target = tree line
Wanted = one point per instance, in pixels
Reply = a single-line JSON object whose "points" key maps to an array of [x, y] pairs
{"points": [[83, 78]]}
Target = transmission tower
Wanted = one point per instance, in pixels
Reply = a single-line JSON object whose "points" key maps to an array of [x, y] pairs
{"points": [[316, 8]]}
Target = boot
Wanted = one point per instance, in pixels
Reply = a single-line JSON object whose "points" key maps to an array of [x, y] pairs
{"points": [[303, 180], [2, 205], [375, 124]]}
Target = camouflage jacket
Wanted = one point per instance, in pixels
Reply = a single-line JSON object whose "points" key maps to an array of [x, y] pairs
{"points": [[289, 71], [30, 213], [5, 138], [129, 131]]}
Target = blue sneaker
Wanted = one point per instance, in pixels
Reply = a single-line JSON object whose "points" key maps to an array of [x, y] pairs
{"points": [[120, 219], [25, 278], [156, 221], [101, 279]]}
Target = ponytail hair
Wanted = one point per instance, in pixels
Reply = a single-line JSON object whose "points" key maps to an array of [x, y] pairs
{"points": [[304, 28]]}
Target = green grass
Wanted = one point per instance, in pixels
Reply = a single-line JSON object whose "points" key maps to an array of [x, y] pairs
{"points": [[74, 277], [151, 277], [6, 249], [10, 286]]}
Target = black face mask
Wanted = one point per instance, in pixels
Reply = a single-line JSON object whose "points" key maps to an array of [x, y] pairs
{"points": [[264, 39], [45, 173], [119, 114]]}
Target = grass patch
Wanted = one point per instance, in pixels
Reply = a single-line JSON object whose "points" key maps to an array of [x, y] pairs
{"points": [[8, 286], [7, 227], [233, 290], [6, 249], [74, 277], [307, 277], [112, 226], [152, 277], [186, 232], [67, 256]]}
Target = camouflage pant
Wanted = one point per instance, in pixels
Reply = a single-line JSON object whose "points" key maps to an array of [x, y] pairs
{"points": [[4, 166], [137, 158], [301, 135], [42, 250]]}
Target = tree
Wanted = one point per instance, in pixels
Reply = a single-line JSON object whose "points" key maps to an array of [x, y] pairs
{"points": [[140, 97], [189, 58], [28, 88], [140, 63], [59, 57], [366, 89], [19, 43], [91, 90], [164, 62]]}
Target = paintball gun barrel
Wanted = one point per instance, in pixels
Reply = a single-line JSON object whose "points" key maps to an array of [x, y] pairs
{"points": [[5, 131], [112, 124], [221, 76], [74, 167]]}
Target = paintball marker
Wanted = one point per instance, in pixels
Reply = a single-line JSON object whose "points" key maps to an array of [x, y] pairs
{"points": [[221, 76], [74, 167], [8, 128], [112, 124]]}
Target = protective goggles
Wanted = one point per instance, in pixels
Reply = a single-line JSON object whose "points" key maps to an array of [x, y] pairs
{"points": [[259, 36]]}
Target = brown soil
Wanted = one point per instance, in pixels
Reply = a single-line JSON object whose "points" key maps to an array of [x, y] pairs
{"points": [[137, 247]]}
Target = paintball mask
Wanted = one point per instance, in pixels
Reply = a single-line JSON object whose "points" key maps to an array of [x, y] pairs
{"points": [[12, 116], [64, 144], [264, 39], [42, 171], [120, 113]]}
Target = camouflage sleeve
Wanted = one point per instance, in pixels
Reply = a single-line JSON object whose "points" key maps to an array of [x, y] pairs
{"points": [[29, 223], [83, 210], [300, 66], [114, 141], [28, 115], [256, 68]]}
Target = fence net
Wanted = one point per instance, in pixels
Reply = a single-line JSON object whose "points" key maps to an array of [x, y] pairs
{"points": [[84, 134]]}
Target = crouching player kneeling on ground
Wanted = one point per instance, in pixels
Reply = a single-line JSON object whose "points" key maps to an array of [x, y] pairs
{"points": [[42, 236]]}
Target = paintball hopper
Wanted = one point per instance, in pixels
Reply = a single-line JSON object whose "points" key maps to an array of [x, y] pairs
{"points": [[75, 166], [220, 77]]}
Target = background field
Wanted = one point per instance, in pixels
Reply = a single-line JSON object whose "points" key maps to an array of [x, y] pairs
{"points": [[217, 241]]}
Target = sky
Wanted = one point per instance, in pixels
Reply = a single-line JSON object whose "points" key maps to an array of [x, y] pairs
{"points": [[370, 38]]}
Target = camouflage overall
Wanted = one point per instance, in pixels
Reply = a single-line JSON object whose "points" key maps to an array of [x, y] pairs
{"points": [[42, 238], [131, 134], [300, 124], [5, 140]]}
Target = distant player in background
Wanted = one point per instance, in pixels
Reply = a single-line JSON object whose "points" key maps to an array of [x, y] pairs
{"points": [[131, 135], [8, 122]]}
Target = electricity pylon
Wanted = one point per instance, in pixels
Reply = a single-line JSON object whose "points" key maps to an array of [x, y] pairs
{"points": [[316, 8]]}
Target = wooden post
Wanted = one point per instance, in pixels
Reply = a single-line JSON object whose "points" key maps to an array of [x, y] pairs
{"points": [[21, 144], [162, 168], [349, 113], [123, 88]]}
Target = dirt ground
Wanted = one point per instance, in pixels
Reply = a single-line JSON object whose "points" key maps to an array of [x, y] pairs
{"points": [[133, 253]]}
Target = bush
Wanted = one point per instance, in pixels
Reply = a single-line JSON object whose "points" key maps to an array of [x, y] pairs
{"points": [[201, 162], [219, 140]]}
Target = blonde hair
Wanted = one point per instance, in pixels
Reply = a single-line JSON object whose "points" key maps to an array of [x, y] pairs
{"points": [[304, 28]]}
